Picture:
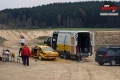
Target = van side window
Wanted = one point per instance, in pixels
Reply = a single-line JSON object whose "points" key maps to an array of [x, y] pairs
{"points": [[49, 39]]}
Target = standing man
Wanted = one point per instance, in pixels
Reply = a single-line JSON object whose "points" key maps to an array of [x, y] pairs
{"points": [[22, 40], [25, 55]]}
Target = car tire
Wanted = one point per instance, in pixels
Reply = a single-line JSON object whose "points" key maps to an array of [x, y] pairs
{"points": [[40, 57], [112, 62], [101, 63], [54, 59]]}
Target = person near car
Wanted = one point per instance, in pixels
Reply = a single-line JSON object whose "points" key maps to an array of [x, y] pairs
{"points": [[22, 40], [54, 43], [25, 55], [20, 50]]}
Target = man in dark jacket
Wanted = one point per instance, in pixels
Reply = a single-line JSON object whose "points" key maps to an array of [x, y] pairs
{"points": [[26, 54]]}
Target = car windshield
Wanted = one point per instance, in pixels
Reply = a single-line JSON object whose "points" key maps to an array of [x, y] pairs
{"points": [[48, 49]]}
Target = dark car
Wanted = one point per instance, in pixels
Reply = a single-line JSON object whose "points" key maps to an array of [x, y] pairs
{"points": [[108, 54]]}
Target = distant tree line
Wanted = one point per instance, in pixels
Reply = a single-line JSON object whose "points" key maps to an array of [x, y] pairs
{"points": [[56, 15]]}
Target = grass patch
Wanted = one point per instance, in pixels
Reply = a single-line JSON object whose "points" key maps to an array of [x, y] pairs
{"points": [[88, 29], [40, 43], [71, 29], [42, 38], [2, 40]]}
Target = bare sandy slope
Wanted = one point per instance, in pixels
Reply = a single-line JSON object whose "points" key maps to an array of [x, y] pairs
{"points": [[59, 69], [13, 37]]}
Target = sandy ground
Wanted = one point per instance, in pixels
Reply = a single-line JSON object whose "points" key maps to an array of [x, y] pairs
{"points": [[58, 69]]}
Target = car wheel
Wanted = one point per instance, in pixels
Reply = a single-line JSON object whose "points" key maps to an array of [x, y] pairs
{"points": [[40, 57], [101, 63], [113, 63], [54, 59]]}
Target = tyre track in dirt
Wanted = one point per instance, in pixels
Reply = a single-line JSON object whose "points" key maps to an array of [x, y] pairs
{"points": [[59, 69], [97, 72], [62, 70], [71, 71], [76, 72], [90, 71]]}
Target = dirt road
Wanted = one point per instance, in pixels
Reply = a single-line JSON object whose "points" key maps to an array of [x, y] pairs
{"points": [[59, 69]]}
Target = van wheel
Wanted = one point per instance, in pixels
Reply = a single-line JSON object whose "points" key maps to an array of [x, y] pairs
{"points": [[113, 63], [61, 56], [40, 57], [65, 57], [101, 63]]}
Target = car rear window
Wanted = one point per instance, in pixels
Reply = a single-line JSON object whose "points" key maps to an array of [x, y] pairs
{"points": [[102, 50], [112, 50], [48, 49]]}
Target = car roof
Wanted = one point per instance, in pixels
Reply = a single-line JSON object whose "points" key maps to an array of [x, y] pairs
{"points": [[42, 46], [111, 46]]}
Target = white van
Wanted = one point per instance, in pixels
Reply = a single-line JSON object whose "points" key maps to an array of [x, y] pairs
{"points": [[70, 43]]}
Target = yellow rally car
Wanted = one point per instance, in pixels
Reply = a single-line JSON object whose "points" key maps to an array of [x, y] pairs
{"points": [[44, 52]]}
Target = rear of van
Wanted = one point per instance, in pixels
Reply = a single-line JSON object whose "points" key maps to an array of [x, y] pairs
{"points": [[84, 43]]}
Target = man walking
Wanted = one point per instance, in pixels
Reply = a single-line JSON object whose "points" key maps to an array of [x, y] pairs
{"points": [[25, 55]]}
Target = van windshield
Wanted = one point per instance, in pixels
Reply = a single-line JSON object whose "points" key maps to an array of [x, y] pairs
{"points": [[49, 39]]}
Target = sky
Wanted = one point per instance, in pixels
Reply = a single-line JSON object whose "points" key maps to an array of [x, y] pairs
{"points": [[11, 4]]}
